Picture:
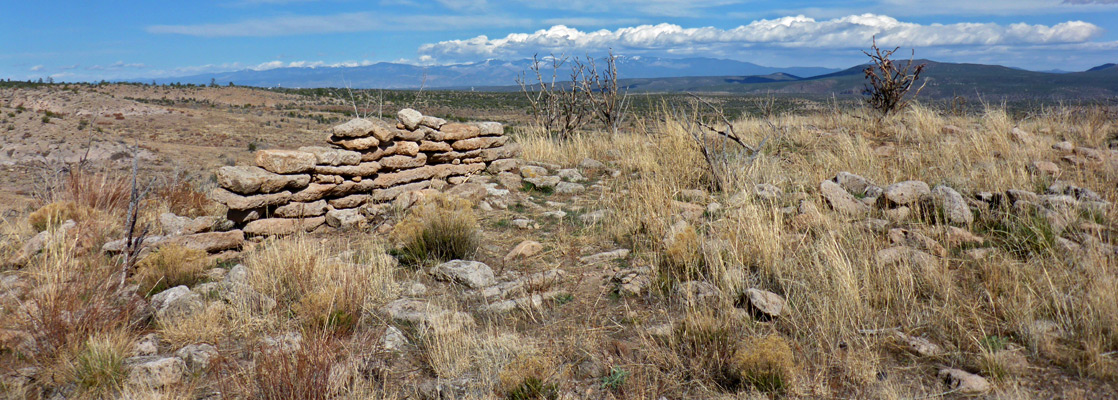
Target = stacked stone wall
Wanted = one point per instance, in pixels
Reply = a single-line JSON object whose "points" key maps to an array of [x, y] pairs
{"points": [[367, 161]]}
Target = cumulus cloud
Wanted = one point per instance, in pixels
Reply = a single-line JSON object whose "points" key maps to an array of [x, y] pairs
{"points": [[338, 23], [798, 32]]}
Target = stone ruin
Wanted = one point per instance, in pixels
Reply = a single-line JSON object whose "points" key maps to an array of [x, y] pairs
{"points": [[370, 162]]}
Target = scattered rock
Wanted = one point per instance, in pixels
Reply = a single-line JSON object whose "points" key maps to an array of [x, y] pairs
{"points": [[907, 192], [148, 345], [532, 171], [285, 161], [524, 223], [393, 339], [963, 382], [954, 207], [525, 249], [841, 200], [905, 254], [473, 274], [569, 188], [919, 346], [176, 303], [545, 182], [1020, 136], [1045, 167], [197, 356], [632, 282], [853, 183], [604, 256], [248, 180], [154, 372], [1063, 146], [591, 164], [767, 303]]}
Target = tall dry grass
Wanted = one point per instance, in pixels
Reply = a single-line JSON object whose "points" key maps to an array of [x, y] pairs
{"points": [[827, 271]]}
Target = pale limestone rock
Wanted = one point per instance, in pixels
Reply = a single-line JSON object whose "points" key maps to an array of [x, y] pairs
{"points": [[410, 118], [841, 200], [907, 192], [335, 157], [300, 210], [249, 180], [285, 161], [525, 249], [768, 303], [282, 226]]}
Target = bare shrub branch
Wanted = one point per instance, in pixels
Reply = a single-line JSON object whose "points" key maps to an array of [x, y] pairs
{"points": [[890, 82]]}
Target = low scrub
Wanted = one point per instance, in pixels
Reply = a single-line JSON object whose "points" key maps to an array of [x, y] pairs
{"points": [[171, 266], [439, 229]]}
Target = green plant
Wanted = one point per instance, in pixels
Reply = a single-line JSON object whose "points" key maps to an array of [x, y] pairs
{"points": [[615, 378], [534, 389], [100, 365], [530, 187], [252, 146], [440, 229]]}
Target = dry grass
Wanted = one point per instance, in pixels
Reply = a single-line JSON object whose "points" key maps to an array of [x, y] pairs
{"points": [[321, 290], [440, 228], [824, 265], [170, 266], [1029, 300]]}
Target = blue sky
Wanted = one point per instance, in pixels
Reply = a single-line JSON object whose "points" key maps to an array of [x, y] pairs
{"points": [[92, 40]]}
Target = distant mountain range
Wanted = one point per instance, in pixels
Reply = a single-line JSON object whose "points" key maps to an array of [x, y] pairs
{"points": [[486, 73], [944, 80], [652, 74]]}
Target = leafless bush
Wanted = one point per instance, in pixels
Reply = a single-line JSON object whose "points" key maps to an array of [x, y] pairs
{"points": [[890, 82], [564, 107], [606, 101], [717, 162], [560, 109]]}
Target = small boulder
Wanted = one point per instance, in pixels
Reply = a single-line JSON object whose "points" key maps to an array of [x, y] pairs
{"points": [[197, 356], [952, 204], [525, 249], [155, 372], [907, 192], [411, 118], [473, 274], [841, 200], [963, 382], [766, 303]]}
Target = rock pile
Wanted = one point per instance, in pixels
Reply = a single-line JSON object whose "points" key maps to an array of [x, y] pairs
{"points": [[369, 162]]}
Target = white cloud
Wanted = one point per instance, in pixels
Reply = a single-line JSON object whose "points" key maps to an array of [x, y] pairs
{"points": [[36, 68], [338, 23], [799, 32]]}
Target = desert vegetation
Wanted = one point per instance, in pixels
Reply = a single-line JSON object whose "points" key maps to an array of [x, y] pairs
{"points": [[713, 247]]}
